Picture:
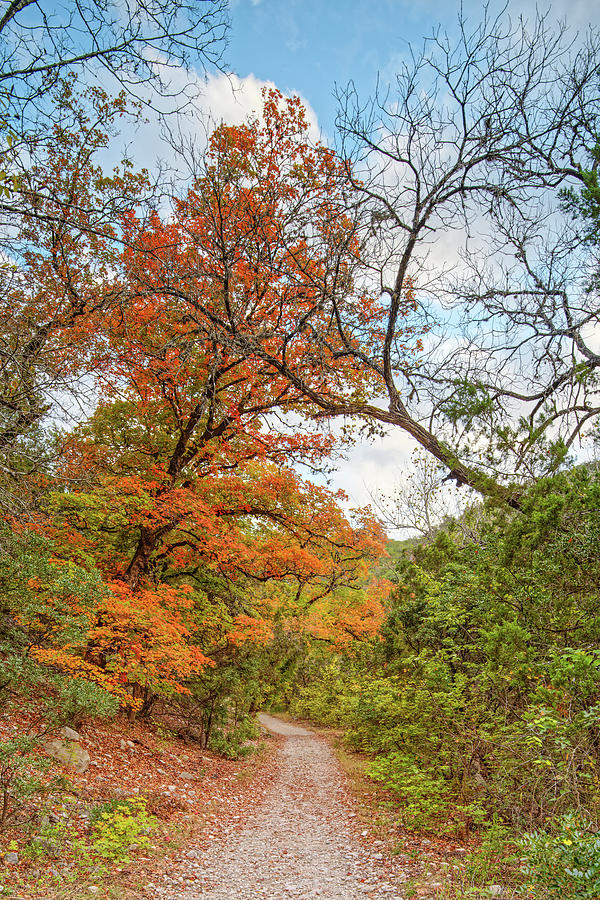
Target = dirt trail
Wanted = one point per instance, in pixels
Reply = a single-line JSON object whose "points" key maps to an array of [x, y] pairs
{"points": [[300, 839]]}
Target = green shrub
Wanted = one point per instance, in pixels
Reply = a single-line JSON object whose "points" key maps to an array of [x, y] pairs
{"points": [[329, 699], [21, 771], [497, 851], [564, 864], [232, 743], [121, 827], [99, 811], [425, 797]]}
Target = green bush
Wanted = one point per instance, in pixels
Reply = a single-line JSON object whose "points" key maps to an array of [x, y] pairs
{"points": [[425, 797], [564, 864], [232, 743], [329, 699], [121, 827], [21, 771]]}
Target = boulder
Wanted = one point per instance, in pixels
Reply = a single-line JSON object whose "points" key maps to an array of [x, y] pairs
{"points": [[70, 753], [70, 734]]}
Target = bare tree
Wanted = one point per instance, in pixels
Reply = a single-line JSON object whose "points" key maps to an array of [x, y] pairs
{"points": [[421, 500], [136, 43], [461, 164]]}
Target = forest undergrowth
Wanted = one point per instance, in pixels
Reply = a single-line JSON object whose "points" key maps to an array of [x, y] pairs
{"points": [[123, 825], [477, 709]]}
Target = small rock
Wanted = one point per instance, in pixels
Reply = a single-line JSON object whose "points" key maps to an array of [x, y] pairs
{"points": [[187, 776], [131, 745], [70, 734], [11, 859], [93, 889], [495, 890], [123, 744]]}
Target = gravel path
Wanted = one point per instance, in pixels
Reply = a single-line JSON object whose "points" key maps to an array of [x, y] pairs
{"points": [[299, 840]]}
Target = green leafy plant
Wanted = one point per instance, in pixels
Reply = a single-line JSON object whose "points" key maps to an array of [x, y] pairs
{"points": [[424, 796], [497, 851], [121, 827], [565, 863], [21, 770], [233, 742]]}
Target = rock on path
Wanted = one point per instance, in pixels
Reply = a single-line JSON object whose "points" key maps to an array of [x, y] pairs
{"points": [[298, 841]]}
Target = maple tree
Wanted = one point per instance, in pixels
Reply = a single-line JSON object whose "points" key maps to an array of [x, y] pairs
{"points": [[205, 540], [258, 253], [182, 483]]}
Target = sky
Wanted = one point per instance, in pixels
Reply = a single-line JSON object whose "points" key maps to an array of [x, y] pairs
{"points": [[312, 47]]}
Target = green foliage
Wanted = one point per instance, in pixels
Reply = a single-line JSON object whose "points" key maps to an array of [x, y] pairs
{"points": [[30, 618], [122, 827], [564, 864], [232, 743], [469, 402], [75, 698], [586, 203], [480, 704], [491, 857], [21, 771], [328, 699], [425, 797]]}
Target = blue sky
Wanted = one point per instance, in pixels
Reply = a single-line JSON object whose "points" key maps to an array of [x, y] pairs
{"points": [[308, 46]]}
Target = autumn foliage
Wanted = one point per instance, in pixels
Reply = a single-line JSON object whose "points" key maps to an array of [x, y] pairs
{"points": [[182, 489]]}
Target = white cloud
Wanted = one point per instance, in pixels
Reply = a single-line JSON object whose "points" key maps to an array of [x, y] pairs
{"points": [[372, 467], [231, 99], [218, 98]]}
